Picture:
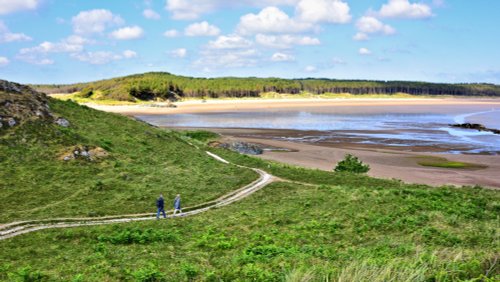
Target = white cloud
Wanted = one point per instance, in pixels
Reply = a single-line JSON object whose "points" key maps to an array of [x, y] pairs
{"points": [[220, 59], [188, 10], [11, 6], [6, 36], [127, 33], [151, 14], [94, 21], [361, 36], [282, 57], [229, 42], [4, 61], [171, 33], [364, 51], [310, 69], [193, 9], [97, 58], [285, 41], [49, 47], [201, 29], [331, 11], [178, 53], [370, 25], [38, 54], [129, 54], [271, 20], [405, 10]]}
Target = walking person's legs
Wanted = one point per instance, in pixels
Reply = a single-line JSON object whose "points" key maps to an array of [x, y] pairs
{"points": [[164, 214], [158, 213]]}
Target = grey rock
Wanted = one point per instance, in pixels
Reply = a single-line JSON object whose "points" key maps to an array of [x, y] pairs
{"points": [[62, 122], [243, 148], [11, 122]]}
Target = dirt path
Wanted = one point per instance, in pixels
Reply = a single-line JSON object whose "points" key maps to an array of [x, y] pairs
{"points": [[22, 227]]}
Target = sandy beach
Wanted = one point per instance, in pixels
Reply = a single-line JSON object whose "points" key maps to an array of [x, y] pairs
{"points": [[351, 106], [385, 161]]}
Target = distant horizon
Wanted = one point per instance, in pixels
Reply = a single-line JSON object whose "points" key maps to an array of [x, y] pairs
{"points": [[66, 42]]}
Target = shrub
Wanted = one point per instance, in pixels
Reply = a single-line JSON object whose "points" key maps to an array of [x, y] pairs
{"points": [[352, 164]]}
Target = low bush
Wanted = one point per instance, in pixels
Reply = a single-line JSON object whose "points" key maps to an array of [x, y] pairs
{"points": [[352, 164]]}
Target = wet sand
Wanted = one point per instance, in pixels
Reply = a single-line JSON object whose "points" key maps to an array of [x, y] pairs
{"points": [[385, 162]]}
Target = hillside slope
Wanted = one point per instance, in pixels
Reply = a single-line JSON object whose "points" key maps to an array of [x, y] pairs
{"points": [[162, 85], [120, 165]]}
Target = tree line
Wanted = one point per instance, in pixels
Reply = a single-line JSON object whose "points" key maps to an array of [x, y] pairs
{"points": [[161, 85]]}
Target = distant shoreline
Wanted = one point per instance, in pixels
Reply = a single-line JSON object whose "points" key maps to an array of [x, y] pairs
{"points": [[348, 105]]}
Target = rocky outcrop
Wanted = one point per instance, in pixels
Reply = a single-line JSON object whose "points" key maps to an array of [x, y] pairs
{"points": [[475, 126], [240, 147], [84, 153], [20, 103]]}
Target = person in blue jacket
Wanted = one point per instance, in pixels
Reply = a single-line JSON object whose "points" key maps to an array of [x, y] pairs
{"points": [[177, 204], [160, 204]]}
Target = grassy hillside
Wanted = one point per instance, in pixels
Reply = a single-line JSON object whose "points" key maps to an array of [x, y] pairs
{"points": [[158, 85], [371, 231], [142, 162]]}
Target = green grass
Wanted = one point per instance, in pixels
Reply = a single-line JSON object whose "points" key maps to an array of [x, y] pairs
{"points": [[144, 161], [445, 163], [284, 232]]}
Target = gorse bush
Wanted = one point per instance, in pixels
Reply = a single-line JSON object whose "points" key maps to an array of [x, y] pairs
{"points": [[352, 164]]}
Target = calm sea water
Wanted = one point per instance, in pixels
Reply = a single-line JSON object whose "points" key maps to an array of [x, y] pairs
{"points": [[393, 129]]}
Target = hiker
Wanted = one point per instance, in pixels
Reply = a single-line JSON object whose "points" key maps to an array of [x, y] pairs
{"points": [[160, 204], [177, 204]]}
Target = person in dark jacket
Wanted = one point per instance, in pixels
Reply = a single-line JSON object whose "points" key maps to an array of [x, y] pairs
{"points": [[177, 204], [160, 204]]}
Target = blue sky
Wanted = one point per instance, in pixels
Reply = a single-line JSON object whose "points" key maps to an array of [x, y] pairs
{"points": [[65, 41]]}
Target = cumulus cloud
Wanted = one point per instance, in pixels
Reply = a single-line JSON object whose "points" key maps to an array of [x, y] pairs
{"points": [[151, 14], [6, 36], [38, 54], [94, 21], [227, 51], [127, 33], [171, 33], [201, 29], [230, 42], [370, 25], [282, 57], [285, 41], [403, 9], [4, 61], [11, 6], [271, 20], [178, 53], [129, 54], [331, 11], [364, 51]]}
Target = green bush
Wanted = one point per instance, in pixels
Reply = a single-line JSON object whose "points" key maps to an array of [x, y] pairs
{"points": [[352, 164]]}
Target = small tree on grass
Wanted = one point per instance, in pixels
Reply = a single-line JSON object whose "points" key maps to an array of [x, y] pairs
{"points": [[352, 164]]}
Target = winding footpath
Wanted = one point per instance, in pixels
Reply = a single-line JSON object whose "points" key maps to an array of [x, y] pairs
{"points": [[22, 227]]}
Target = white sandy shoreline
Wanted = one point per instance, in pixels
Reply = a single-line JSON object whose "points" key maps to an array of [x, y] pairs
{"points": [[348, 105]]}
